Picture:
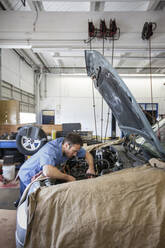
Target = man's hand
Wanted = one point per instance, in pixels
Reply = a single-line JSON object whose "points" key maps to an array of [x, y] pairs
{"points": [[70, 178], [90, 162], [53, 172], [90, 171]]}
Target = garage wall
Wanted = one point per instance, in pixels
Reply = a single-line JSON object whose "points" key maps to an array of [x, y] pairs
{"points": [[16, 72], [71, 98], [141, 89], [17, 81]]}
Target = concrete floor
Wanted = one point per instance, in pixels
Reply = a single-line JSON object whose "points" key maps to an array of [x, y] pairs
{"points": [[7, 227], [7, 197], [8, 216]]}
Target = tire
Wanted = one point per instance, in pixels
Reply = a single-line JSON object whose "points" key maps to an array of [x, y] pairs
{"points": [[30, 139]]}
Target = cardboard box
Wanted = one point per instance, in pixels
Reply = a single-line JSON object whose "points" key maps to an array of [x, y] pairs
{"points": [[48, 128], [9, 112]]}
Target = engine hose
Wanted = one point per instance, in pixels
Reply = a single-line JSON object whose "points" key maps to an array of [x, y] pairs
{"points": [[103, 160]]}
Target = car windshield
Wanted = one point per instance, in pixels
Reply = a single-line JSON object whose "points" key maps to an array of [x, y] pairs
{"points": [[159, 130]]}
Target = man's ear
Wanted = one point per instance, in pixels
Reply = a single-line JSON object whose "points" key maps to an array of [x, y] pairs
{"points": [[66, 145]]}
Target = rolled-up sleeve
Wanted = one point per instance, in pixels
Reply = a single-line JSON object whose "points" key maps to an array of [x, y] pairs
{"points": [[47, 159]]}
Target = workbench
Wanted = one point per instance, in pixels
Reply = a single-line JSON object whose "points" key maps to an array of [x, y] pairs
{"points": [[8, 144]]}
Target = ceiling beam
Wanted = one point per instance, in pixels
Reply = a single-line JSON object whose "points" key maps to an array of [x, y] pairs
{"points": [[18, 52], [35, 64], [154, 60], [51, 22], [108, 50], [109, 56], [95, 1], [42, 60], [52, 31], [153, 4], [120, 70]]}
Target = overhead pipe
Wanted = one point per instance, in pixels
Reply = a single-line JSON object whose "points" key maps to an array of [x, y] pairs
{"points": [[45, 67], [38, 83]]}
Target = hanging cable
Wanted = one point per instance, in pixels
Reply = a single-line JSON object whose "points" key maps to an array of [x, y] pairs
{"points": [[108, 114], [90, 44], [102, 108], [36, 19], [147, 32], [153, 119], [111, 33], [94, 109], [102, 105], [93, 96]]}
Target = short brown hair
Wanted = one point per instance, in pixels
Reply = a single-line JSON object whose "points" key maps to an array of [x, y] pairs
{"points": [[73, 139]]}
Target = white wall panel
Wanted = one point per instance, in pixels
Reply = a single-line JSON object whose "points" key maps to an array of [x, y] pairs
{"points": [[71, 98], [66, 86], [16, 71], [140, 87], [27, 78], [10, 67]]}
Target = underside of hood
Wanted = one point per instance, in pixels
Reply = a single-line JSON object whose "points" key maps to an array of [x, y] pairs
{"points": [[126, 110]]}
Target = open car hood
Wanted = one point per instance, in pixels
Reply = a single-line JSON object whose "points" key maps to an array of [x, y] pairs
{"points": [[127, 112]]}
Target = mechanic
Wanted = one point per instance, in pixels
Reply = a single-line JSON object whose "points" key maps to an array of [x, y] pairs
{"points": [[54, 153]]}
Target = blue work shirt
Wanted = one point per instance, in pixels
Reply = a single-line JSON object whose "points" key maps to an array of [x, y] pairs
{"points": [[49, 154]]}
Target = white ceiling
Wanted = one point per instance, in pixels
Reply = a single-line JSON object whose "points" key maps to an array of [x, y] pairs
{"points": [[52, 34]]}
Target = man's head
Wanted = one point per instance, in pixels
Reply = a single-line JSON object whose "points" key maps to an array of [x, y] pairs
{"points": [[71, 145]]}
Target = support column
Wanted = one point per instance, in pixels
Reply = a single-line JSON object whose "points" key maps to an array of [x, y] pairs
{"points": [[38, 79]]}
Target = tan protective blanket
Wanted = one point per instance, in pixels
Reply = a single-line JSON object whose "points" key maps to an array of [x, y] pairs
{"points": [[124, 209]]}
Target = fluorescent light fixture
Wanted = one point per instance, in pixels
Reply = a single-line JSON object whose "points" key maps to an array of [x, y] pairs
{"points": [[126, 6], [51, 49], [62, 6], [12, 46]]}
